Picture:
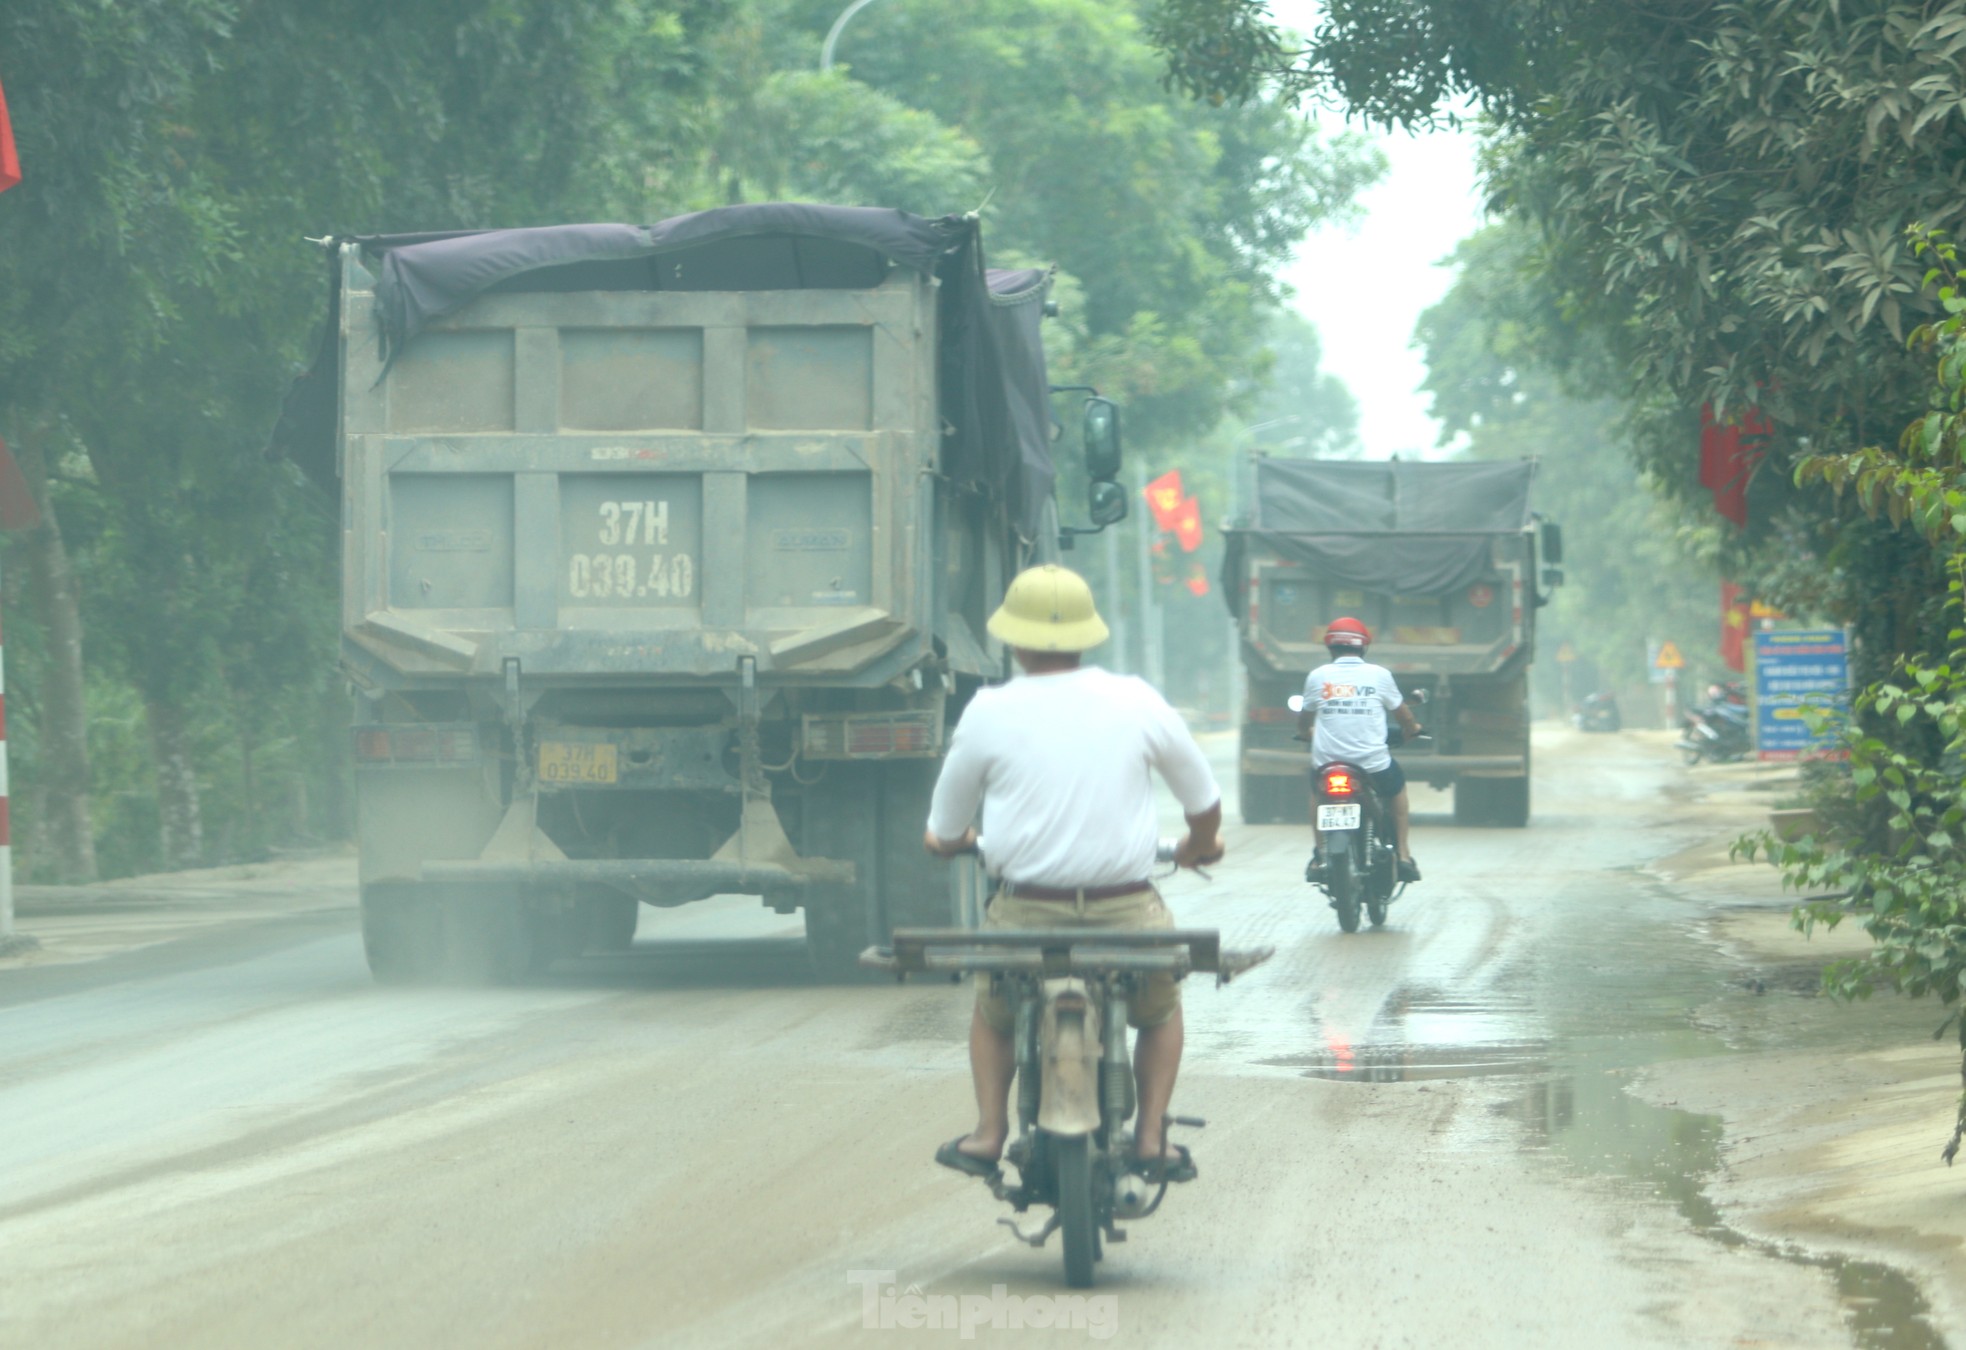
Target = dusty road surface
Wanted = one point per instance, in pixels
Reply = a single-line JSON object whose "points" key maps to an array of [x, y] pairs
{"points": [[1418, 1137]]}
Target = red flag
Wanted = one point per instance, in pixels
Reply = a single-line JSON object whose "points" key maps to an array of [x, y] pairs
{"points": [[1164, 496], [1734, 607], [9, 159], [1187, 525], [1728, 455]]}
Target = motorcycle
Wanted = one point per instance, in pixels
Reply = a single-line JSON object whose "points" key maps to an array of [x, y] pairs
{"points": [[1599, 712], [1718, 730], [1361, 856], [1075, 1089]]}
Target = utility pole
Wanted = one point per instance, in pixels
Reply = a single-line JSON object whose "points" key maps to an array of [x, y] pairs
{"points": [[1151, 666], [1120, 653]]}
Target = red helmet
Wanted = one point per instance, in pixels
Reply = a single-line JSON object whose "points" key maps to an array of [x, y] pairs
{"points": [[1348, 633]]}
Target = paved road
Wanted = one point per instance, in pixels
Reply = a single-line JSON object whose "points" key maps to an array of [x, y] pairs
{"points": [[1417, 1136]]}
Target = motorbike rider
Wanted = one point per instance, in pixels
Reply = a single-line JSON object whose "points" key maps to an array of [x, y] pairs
{"points": [[1058, 762], [1344, 718]]}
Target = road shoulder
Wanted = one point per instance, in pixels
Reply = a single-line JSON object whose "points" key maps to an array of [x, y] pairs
{"points": [[1834, 1114], [74, 924]]}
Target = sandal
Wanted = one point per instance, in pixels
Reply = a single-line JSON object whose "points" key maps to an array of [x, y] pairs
{"points": [[951, 1155], [1181, 1167]]}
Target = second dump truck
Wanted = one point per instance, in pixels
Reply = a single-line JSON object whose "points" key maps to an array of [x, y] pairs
{"points": [[1445, 563]]}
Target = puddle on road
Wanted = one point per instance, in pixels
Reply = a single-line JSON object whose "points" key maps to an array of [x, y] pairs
{"points": [[1420, 1035], [1588, 1119], [1615, 1002]]}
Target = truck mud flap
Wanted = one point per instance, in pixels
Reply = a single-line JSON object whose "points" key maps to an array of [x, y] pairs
{"points": [[648, 877], [1280, 762]]}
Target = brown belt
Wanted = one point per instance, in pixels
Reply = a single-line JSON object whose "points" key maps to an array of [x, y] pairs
{"points": [[1069, 894]]}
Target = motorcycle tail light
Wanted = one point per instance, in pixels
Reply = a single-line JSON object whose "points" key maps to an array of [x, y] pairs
{"points": [[1338, 783]]}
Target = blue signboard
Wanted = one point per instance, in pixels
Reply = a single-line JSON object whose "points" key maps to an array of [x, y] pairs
{"points": [[1794, 669]]}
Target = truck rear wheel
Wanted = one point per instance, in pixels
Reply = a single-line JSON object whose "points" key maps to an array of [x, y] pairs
{"points": [[842, 821], [1269, 799], [488, 936], [608, 922], [402, 933], [1492, 801], [1258, 799], [916, 889], [873, 815]]}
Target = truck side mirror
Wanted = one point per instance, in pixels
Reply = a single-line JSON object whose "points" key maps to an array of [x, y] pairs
{"points": [[1106, 503], [1552, 542], [1102, 444]]}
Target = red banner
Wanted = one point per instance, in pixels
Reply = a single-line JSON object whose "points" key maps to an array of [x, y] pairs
{"points": [[1187, 525], [1728, 454], [1164, 497], [1734, 608], [9, 159]]}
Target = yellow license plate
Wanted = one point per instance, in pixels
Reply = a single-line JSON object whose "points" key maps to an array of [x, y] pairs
{"points": [[569, 762]]}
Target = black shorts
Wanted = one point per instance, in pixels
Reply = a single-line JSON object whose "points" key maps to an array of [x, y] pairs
{"points": [[1388, 782]]}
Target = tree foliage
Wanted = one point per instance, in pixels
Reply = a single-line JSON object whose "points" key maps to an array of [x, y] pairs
{"points": [[156, 295], [1636, 568], [1722, 193]]}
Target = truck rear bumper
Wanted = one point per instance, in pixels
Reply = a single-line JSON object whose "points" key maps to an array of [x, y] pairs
{"points": [[1426, 768], [649, 877]]}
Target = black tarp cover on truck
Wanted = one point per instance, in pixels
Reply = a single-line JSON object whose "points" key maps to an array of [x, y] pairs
{"points": [[995, 396], [1398, 527]]}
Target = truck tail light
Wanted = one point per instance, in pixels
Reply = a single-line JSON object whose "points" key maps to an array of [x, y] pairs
{"points": [[1338, 782], [416, 745], [913, 734]]}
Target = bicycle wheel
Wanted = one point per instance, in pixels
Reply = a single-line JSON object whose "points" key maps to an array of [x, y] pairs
{"points": [[1072, 1156]]}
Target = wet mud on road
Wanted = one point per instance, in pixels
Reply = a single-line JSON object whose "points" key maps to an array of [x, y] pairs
{"points": [[1418, 1136]]}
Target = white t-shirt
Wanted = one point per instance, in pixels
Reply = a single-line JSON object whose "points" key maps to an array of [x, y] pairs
{"points": [[1062, 767], [1351, 698]]}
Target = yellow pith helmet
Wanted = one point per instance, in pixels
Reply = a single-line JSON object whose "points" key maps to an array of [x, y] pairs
{"points": [[1048, 609]]}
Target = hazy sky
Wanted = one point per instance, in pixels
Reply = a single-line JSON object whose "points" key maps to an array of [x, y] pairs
{"points": [[1365, 288]]}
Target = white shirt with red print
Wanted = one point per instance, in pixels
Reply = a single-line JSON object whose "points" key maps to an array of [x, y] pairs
{"points": [[1351, 698]]}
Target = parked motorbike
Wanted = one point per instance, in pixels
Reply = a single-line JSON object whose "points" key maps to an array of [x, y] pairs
{"points": [[1075, 1091], [1355, 827], [1719, 730], [1599, 712]]}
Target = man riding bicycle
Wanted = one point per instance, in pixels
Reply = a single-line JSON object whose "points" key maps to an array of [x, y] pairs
{"points": [[1344, 718], [1060, 762]]}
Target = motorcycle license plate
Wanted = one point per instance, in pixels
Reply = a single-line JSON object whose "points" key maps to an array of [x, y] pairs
{"points": [[1338, 817]]}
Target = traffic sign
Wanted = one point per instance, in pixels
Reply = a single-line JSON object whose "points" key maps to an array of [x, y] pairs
{"points": [[1566, 653], [1796, 670], [1668, 657]]}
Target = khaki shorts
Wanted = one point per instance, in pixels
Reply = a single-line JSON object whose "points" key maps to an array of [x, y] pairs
{"points": [[1154, 1000]]}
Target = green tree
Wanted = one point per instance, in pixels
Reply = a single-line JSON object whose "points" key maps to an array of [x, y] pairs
{"points": [[1719, 191], [1637, 566], [154, 296]]}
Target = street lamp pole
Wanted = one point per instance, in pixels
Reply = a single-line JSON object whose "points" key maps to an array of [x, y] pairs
{"points": [[833, 33]]}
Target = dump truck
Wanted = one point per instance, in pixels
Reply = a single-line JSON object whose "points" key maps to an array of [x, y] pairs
{"points": [[667, 555], [1445, 563]]}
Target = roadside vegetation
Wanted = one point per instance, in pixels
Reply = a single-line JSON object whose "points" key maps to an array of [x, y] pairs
{"points": [[172, 623], [1726, 206]]}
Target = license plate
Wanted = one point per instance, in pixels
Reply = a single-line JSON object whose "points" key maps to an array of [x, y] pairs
{"points": [[1338, 817], [570, 762]]}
